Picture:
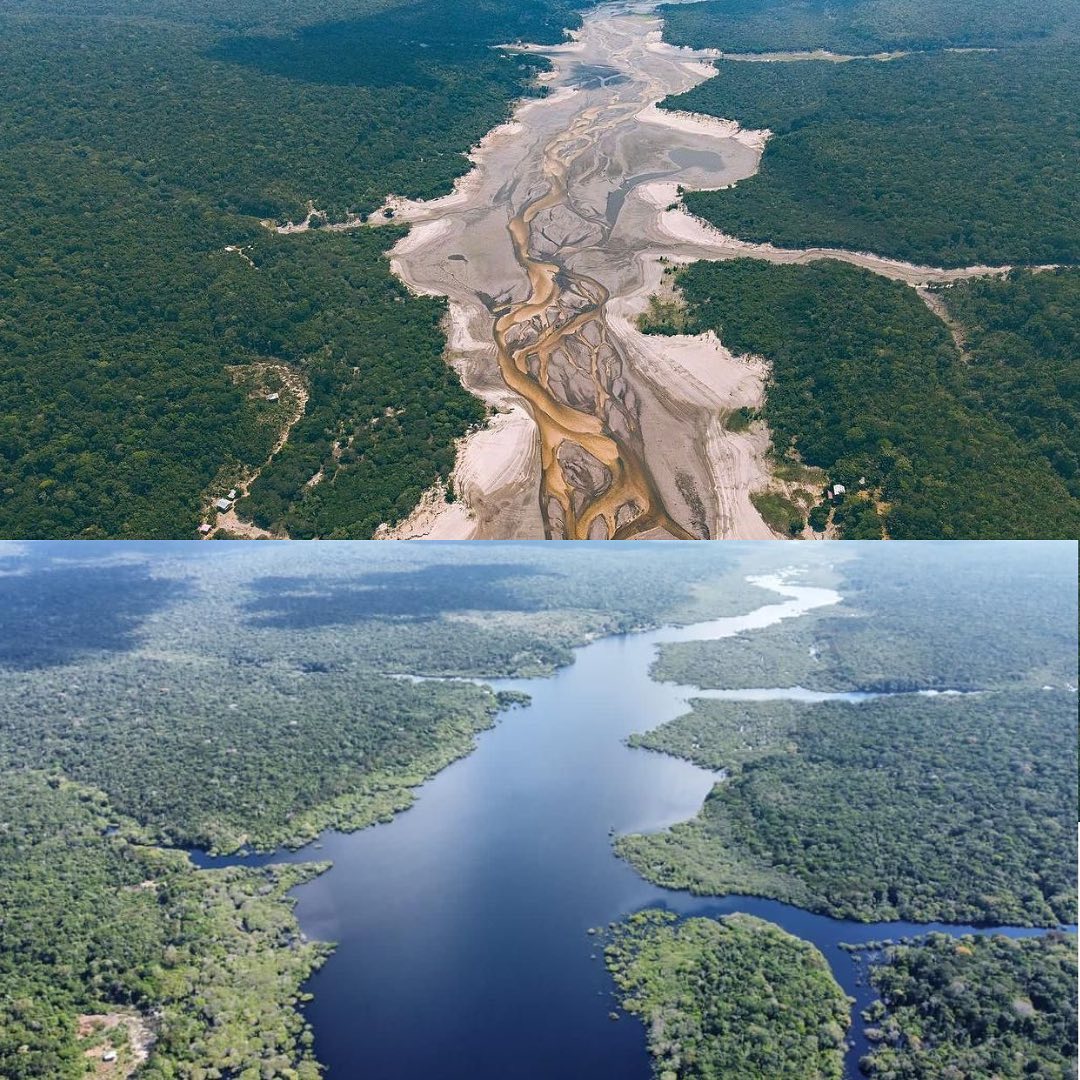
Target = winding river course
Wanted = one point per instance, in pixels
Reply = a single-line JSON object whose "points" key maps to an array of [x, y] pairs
{"points": [[547, 251], [462, 926]]}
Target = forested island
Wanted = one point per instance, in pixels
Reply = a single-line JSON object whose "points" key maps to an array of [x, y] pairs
{"points": [[738, 997], [731, 997], [930, 438], [148, 315]]}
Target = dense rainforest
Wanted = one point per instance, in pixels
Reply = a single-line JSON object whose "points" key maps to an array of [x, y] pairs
{"points": [[959, 809], [866, 26], [933, 626], [729, 997], [867, 383], [255, 698], [112, 944], [943, 159], [920, 807], [219, 755], [980, 1006], [142, 303], [1021, 342]]}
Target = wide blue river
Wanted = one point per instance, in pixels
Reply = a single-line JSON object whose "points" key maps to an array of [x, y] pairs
{"points": [[462, 926]]}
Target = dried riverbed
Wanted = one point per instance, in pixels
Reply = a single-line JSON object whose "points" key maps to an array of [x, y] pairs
{"points": [[547, 251]]}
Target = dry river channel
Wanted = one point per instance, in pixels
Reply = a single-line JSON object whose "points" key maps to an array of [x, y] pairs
{"points": [[547, 251]]}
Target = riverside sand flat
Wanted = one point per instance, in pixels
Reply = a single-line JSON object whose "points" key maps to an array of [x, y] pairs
{"points": [[548, 251]]}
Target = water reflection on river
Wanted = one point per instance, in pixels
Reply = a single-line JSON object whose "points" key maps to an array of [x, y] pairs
{"points": [[462, 926]]}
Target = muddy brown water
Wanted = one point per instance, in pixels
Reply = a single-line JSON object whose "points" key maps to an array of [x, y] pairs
{"points": [[549, 237]]}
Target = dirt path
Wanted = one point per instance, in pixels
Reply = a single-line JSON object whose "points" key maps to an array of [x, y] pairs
{"points": [[935, 303], [294, 385], [679, 227]]}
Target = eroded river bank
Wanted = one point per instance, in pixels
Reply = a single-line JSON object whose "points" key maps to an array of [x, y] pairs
{"points": [[462, 926]]}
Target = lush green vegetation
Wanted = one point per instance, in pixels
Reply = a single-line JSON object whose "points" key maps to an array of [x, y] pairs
{"points": [[865, 26], [130, 420], [942, 158], [959, 809], [251, 698], [338, 112], [946, 160], [779, 513], [219, 755], [980, 1006], [137, 145], [1021, 339], [230, 695], [868, 385], [930, 624], [204, 966], [734, 997]]}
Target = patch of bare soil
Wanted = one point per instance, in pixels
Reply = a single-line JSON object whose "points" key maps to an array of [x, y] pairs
{"points": [[118, 1043], [293, 393]]}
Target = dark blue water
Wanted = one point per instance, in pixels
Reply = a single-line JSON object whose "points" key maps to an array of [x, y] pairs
{"points": [[462, 926]]}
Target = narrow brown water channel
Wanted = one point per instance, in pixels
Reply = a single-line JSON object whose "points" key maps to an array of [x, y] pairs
{"points": [[546, 253], [595, 482]]}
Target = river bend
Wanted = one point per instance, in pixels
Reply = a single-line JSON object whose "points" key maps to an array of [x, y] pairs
{"points": [[462, 926]]}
